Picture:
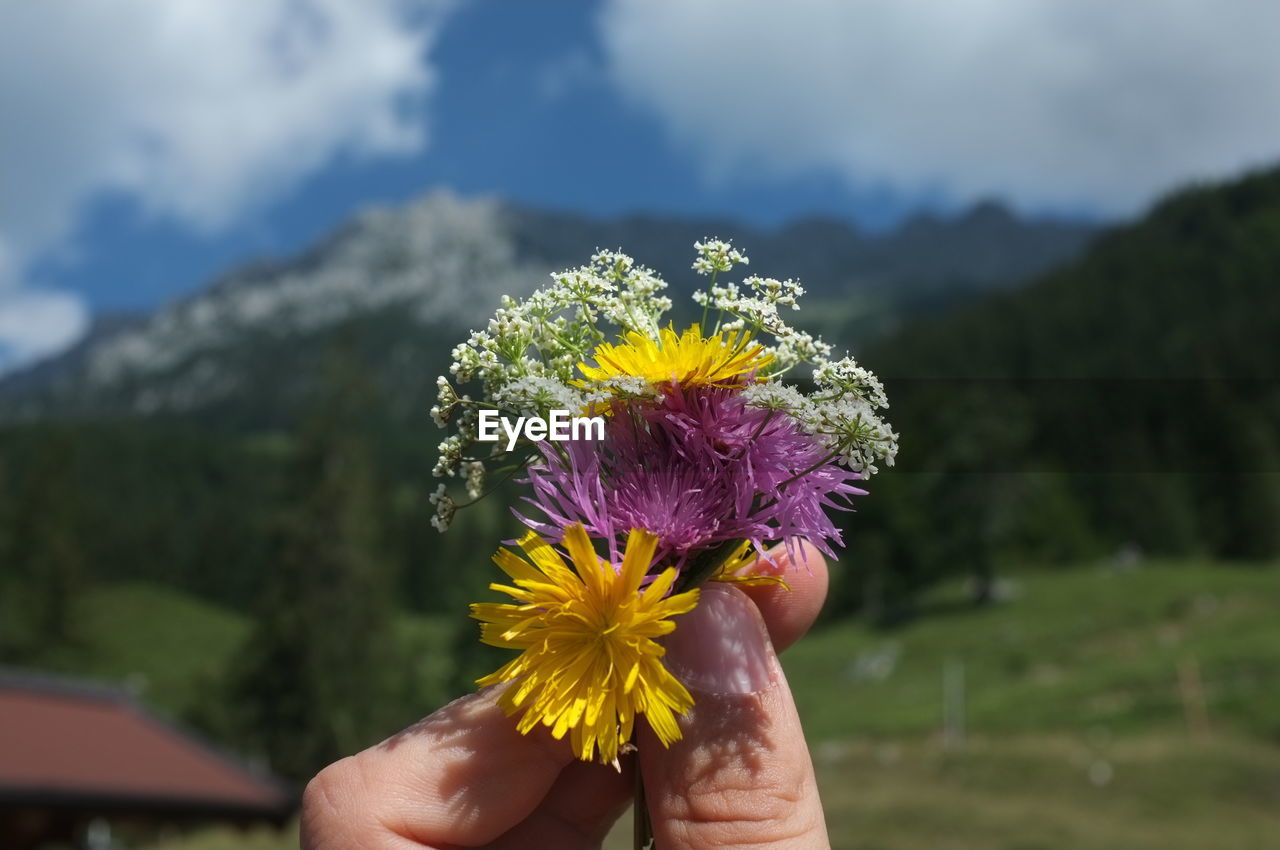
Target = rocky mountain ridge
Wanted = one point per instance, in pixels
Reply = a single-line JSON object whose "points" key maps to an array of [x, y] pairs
{"points": [[443, 261]]}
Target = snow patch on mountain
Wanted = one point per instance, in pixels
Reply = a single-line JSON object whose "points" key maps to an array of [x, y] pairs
{"points": [[440, 258]]}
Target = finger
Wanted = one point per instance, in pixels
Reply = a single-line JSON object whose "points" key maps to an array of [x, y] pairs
{"points": [[789, 614], [461, 777], [577, 812], [741, 774]]}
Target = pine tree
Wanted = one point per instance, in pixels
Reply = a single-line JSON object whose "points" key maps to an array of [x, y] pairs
{"points": [[320, 674], [45, 580], [1248, 486], [8, 577]]}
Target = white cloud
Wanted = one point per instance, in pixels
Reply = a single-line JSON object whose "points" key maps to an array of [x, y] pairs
{"points": [[35, 321], [195, 109], [1067, 104]]}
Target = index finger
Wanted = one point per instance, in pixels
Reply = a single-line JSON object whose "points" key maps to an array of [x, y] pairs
{"points": [[789, 613], [461, 777]]}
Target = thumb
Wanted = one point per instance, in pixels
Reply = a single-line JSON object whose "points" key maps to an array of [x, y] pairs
{"points": [[741, 775]]}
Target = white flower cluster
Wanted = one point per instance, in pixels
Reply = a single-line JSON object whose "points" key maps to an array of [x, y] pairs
{"points": [[535, 394], [445, 508], [757, 307], [849, 397], [525, 361], [756, 310], [619, 387], [854, 432], [784, 398], [845, 378], [716, 256], [841, 413], [475, 473]]}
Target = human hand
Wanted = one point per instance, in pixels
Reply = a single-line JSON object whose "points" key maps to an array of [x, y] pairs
{"points": [[741, 775]]}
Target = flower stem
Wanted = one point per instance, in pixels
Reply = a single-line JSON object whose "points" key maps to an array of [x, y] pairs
{"points": [[702, 326], [830, 457], [704, 564], [642, 828], [505, 478]]}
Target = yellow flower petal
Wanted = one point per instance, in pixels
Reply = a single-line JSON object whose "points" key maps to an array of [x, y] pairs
{"points": [[744, 557], [589, 663], [687, 359]]}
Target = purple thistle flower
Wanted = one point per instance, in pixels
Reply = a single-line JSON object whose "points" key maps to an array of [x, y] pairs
{"points": [[697, 469]]}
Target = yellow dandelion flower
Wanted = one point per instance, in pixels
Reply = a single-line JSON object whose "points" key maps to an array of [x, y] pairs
{"points": [[589, 662], [688, 359]]}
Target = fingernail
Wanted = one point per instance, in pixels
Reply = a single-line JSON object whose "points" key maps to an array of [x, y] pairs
{"points": [[721, 647], [781, 559], [774, 562]]}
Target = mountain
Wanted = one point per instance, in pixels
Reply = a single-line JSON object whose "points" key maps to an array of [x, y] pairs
{"points": [[440, 258], [1188, 291], [404, 284]]}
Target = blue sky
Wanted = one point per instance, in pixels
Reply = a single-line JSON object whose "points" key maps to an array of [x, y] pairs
{"points": [[152, 144]]}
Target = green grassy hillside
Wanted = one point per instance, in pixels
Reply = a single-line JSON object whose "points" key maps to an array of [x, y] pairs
{"points": [[165, 644], [173, 649], [1072, 652]]}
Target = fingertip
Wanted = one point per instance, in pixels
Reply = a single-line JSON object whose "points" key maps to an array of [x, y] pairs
{"points": [[790, 613]]}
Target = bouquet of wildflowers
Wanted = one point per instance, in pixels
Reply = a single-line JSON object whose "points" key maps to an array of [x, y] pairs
{"points": [[656, 459]]}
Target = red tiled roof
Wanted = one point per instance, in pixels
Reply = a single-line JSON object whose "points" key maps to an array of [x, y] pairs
{"points": [[99, 747]]}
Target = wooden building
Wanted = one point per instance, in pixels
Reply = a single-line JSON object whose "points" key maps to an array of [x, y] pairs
{"points": [[74, 755]]}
